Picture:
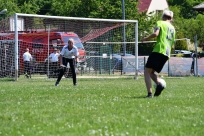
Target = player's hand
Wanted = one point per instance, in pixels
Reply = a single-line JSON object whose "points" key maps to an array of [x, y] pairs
{"points": [[77, 60], [61, 65], [144, 39]]}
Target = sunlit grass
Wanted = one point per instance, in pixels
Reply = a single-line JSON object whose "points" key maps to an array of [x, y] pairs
{"points": [[101, 107]]}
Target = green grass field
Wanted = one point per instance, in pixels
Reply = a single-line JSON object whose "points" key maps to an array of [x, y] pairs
{"points": [[101, 107]]}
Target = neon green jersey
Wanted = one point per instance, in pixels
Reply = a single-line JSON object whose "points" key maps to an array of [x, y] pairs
{"points": [[165, 39]]}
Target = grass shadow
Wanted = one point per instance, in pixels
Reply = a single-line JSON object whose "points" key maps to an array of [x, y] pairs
{"points": [[135, 97]]}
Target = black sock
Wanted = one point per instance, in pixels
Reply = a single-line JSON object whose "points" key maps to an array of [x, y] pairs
{"points": [[149, 94]]}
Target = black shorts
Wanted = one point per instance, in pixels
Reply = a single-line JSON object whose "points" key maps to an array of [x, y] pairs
{"points": [[156, 61]]}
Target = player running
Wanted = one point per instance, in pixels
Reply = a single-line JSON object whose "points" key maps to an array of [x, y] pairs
{"points": [[165, 34]]}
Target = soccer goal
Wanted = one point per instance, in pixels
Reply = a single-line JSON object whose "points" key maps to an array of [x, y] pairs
{"points": [[106, 46]]}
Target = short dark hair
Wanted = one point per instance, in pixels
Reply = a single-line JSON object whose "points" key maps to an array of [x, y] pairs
{"points": [[165, 17]]}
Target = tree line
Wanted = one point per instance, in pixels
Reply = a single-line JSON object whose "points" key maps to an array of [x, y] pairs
{"points": [[188, 22]]}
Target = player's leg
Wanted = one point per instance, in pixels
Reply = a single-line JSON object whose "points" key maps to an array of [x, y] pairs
{"points": [[72, 66], [149, 72], [55, 68], [27, 68], [154, 77], [162, 59], [30, 68], [154, 63], [192, 67], [148, 81], [61, 72], [52, 65]]}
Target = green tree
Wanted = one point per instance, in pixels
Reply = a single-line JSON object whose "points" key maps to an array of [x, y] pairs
{"points": [[11, 7], [187, 21], [29, 7], [195, 27], [180, 44], [109, 9], [65, 8], [185, 7]]}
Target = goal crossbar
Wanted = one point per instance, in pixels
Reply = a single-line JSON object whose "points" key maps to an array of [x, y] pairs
{"points": [[129, 42], [77, 18]]}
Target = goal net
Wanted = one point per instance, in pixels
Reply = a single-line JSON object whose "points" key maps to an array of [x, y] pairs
{"points": [[106, 46]]}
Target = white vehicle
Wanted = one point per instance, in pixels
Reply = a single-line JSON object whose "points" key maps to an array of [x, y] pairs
{"points": [[182, 52]]}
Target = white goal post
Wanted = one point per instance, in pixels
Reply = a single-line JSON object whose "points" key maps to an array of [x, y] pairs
{"points": [[117, 23]]}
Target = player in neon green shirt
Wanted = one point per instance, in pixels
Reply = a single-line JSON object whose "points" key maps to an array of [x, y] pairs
{"points": [[165, 33]]}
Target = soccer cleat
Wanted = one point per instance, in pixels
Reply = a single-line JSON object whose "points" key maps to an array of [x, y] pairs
{"points": [[57, 83], [149, 96], [75, 84], [26, 75], [159, 89]]}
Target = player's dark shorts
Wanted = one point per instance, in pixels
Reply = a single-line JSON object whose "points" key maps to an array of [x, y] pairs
{"points": [[156, 61]]}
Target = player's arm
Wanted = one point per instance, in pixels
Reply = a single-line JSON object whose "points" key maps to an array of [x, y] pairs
{"points": [[50, 56], [77, 59], [31, 57], [60, 56], [174, 37], [76, 55], [60, 59], [153, 35]]}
